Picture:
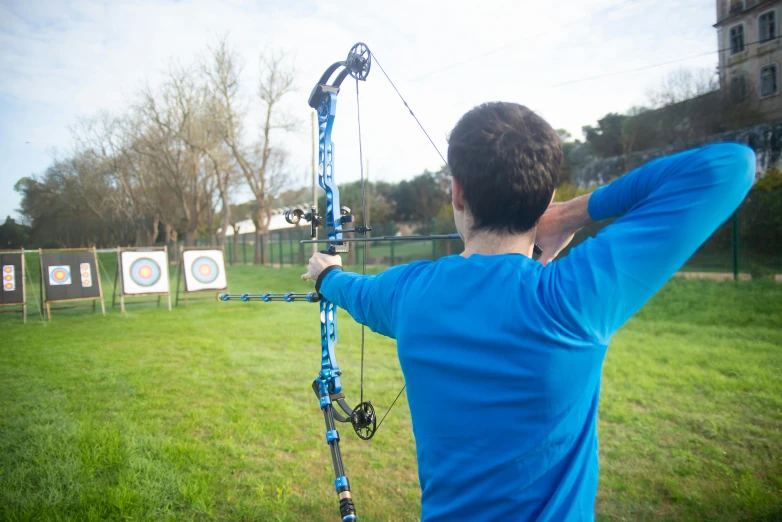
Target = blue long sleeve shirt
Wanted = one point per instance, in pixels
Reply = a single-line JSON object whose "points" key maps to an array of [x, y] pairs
{"points": [[503, 356]]}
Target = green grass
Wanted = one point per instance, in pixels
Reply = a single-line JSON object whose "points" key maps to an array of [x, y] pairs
{"points": [[207, 413]]}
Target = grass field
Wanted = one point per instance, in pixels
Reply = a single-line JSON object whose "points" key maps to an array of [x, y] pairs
{"points": [[207, 413]]}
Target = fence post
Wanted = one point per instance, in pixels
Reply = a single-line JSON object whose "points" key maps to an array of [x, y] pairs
{"points": [[432, 228], [263, 247], [392, 232], [736, 245], [244, 249], [279, 239]]}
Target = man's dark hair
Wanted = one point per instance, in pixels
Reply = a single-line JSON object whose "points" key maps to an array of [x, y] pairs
{"points": [[507, 158]]}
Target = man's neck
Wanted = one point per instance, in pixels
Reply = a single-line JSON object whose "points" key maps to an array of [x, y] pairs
{"points": [[491, 244]]}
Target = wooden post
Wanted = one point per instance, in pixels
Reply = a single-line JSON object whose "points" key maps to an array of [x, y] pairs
{"points": [[43, 289], [178, 274], [165, 249], [100, 285], [116, 276], [24, 294]]}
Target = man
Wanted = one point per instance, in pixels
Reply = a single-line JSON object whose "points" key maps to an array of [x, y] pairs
{"points": [[502, 354]]}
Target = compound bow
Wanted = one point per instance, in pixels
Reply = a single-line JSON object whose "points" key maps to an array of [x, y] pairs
{"points": [[328, 386]]}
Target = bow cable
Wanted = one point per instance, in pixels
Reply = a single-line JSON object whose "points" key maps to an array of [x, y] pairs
{"points": [[408, 108], [365, 217]]}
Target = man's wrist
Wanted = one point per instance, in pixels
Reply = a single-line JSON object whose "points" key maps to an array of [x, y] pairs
{"points": [[326, 271], [577, 215]]}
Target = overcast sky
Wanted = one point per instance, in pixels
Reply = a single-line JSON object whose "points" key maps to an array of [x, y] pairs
{"points": [[63, 60]]}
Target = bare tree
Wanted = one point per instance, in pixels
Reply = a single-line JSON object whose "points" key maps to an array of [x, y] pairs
{"points": [[261, 164], [106, 139], [683, 84], [165, 128]]}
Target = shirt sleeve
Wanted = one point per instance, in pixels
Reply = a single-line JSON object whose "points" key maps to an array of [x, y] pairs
{"points": [[372, 300], [666, 210]]}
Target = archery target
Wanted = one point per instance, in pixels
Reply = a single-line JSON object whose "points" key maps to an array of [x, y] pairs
{"points": [[11, 275], [59, 275], [9, 278], [204, 270], [144, 272]]}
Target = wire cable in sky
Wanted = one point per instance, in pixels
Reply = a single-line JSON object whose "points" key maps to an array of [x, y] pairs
{"points": [[652, 66], [603, 12]]}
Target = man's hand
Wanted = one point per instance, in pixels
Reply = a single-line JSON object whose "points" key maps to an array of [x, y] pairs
{"points": [[318, 263], [559, 224]]}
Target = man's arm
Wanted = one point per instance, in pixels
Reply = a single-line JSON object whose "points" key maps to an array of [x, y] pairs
{"points": [[666, 210], [370, 300]]}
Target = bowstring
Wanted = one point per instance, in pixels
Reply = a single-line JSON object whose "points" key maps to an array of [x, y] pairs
{"points": [[365, 219]]}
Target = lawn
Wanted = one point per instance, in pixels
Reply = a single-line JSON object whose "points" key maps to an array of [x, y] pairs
{"points": [[207, 413]]}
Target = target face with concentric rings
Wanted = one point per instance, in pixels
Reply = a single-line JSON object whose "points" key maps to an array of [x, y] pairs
{"points": [[60, 275], [144, 272], [204, 270]]}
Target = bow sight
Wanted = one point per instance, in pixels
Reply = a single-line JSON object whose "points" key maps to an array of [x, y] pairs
{"points": [[312, 217]]}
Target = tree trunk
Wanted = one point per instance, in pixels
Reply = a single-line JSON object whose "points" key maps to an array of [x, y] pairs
{"points": [[190, 237], [226, 222], [258, 238], [235, 257], [260, 222], [154, 231]]}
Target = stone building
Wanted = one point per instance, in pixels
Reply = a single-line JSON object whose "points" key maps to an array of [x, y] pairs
{"points": [[750, 54]]}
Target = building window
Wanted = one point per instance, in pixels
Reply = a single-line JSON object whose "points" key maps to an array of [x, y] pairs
{"points": [[737, 39], [767, 26], [736, 6], [769, 80], [738, 88]]}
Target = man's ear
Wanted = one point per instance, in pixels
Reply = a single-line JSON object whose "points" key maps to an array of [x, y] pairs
{"points": [[457, 194]]}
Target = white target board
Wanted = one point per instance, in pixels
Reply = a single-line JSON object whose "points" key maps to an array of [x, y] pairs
{"points": [[204, 270], [144, 272], [59, 275]]}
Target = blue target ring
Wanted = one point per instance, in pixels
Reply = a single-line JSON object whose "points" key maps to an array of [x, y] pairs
{"points": [[204, 269], [145, 272]]}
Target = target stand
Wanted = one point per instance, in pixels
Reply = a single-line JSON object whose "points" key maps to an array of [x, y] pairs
{"points": [[13, 290], [69, 275], [203, 269], [141, 272]]}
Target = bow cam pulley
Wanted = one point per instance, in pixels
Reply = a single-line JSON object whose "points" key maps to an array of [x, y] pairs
{"points": [[359, 61], [364, 420]]}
